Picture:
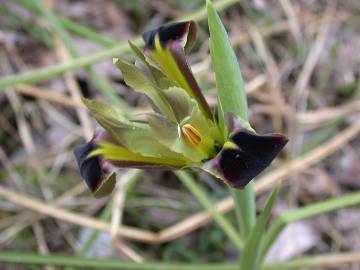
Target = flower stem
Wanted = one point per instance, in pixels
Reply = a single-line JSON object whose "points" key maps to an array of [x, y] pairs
{"points": [[245, 208], [202, 197]]}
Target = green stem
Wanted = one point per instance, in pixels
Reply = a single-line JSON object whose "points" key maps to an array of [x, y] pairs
{"points": [[202, 197], [71, 65], [251, 255], [82, 263], [245, 208], [305, 213], [331, 259]]}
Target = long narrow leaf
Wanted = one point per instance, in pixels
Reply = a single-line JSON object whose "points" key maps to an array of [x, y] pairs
{"points": [[201, 196], [331, 259], [229, 82], [250, 258]]}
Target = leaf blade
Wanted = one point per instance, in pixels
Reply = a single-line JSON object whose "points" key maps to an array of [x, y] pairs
{"points": [[229, 82], [250, 259]]}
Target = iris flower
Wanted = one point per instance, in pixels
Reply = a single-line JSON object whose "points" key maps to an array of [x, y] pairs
{"points": [[181, 132]]}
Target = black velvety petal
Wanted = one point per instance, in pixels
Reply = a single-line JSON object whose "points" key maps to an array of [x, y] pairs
{"points": [[251, 156], [263, 148], [167, 33], [90, 168], [237, 167]]}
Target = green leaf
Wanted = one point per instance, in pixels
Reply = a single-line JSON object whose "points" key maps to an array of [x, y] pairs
{"points": [[250, 257], [229, 82], [221, 122]]}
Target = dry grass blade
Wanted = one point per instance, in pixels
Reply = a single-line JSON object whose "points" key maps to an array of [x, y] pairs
{"points": [[74, 89], [117, 217], [273, 77], [299, 97], [48, 94], [319, 117], [293, 19], [68, 216]]}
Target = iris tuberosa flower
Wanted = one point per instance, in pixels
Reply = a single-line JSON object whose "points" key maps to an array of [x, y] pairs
{"points": [[181, 132]]}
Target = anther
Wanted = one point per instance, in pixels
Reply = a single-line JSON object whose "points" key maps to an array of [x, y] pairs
{"points": [[191, 134]]}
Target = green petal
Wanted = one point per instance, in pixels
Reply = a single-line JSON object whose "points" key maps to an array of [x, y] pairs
{"points": [[141, 83], [187, 111], [135, 136], [173, 63], [180, 102], [101, 109], [110, 119], [114, 152], [210, 132], [169, 134], [162, 81]]}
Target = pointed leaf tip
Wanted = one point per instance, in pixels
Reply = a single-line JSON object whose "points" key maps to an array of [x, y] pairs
{"points": [[229, 82]]}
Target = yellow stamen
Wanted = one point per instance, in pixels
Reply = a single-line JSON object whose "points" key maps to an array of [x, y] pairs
{"points": [[191, 134]]}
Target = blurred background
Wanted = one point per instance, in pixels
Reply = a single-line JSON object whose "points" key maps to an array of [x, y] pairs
{"points": [[300, 61]]}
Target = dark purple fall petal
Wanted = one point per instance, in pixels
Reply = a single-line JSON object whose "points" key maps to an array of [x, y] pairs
{"points": [[170, 36], [253, 154], [170, 33], [264, 148], [94, 170]]}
